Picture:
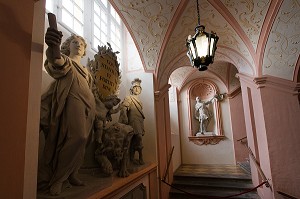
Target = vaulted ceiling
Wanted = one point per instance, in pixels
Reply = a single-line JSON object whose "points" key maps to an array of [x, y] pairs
{"points": [[257, 37]]}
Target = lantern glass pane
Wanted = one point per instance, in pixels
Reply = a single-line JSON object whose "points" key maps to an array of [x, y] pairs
{"points": [[193, 50], [212, 44], [202, 45]]}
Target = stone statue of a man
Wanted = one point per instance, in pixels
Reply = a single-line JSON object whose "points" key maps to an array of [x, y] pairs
{"points": [[132, 114], [203, 114]]}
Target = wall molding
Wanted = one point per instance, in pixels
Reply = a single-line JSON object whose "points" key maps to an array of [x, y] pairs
{"points": [[234, 93], [271, 82], [160, 93], [207, 140]]}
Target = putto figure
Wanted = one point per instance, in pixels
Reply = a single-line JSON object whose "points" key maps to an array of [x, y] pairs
{"points": [[132, 114], [67, 114]]}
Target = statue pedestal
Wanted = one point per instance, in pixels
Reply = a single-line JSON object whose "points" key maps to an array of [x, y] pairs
{"points": [[199, 134], [99, 186]]}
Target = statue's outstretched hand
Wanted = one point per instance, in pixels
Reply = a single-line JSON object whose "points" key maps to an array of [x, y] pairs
{"points": [[53, 37]]}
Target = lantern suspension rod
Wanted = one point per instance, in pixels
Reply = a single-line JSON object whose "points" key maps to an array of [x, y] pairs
{"points": [[198, 11]]}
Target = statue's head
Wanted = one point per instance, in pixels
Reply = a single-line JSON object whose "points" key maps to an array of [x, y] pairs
{"points": [[65, 47], [136, 83]]}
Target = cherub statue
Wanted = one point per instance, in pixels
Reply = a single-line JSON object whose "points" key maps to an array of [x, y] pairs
{"points": [[104, 110]]}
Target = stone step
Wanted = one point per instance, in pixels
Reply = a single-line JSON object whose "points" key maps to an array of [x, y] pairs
{"points": [[212, 181], [207, 194], [212, 177], [213, 187]]}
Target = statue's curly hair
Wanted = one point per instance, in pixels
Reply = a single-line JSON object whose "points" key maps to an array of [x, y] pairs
{"points": [[65, 47]]}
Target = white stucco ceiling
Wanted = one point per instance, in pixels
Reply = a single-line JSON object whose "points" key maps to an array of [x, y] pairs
{"points": [[257, 37]]}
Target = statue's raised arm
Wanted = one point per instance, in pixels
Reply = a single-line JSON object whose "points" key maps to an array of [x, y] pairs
{"points": [[53, 40]]}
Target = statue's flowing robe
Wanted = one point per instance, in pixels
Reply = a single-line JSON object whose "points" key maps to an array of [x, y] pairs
{"points": [[67, 116]]}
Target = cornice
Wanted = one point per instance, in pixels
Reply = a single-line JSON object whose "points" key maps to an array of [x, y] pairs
{"points": [[271, 82], [234, 93], [160, 93]]}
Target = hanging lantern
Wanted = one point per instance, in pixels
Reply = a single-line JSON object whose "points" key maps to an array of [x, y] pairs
{"points": [[202, 46]]}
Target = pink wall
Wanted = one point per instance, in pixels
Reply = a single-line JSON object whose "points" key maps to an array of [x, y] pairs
{"points": [[256, 135], [16, 36], [276, 122], [282, 120], [238, 127], [163, 139]]}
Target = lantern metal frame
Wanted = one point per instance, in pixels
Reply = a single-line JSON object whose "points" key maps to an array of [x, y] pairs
{"points": [[197, 59]]}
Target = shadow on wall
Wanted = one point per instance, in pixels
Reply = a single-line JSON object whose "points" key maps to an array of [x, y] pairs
{"points": [[10, 25]]}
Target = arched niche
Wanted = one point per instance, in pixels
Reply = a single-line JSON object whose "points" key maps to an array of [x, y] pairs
{"points": [[205, 90]]}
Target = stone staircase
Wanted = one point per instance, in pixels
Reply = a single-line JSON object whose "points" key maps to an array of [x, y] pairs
{"points": [[211, 181]]}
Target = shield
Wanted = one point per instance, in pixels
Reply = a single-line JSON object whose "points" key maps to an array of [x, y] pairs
{"points": [[106, 72]]}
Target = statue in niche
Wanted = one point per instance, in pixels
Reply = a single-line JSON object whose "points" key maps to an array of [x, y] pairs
{"points": [[203, 114], [67, 113], [132, 114]]}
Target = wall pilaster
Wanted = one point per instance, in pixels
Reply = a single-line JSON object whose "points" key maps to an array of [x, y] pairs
{"points": [[272, 117], [163, 129], [21, 70]]}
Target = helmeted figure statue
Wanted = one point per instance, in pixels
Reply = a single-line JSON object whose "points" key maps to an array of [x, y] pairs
{"points": [[132, 114]]}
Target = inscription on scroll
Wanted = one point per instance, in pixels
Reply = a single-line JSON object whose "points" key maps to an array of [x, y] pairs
{"points": [[106, 72]]}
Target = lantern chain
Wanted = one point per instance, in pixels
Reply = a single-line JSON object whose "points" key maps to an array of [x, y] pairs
{"points": [[198, 11]]}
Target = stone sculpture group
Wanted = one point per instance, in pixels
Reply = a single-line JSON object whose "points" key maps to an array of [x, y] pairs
{"points": [[73, 111]]}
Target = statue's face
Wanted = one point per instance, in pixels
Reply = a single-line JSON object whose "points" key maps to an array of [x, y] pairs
{"points": [[136, 90], [77, 47]]}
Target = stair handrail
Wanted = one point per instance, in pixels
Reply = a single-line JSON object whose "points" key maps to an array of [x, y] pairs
{"points": [[286, 195], [168, 165], [260, 171], [242, 139], [256, 163], [215, 197]]}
